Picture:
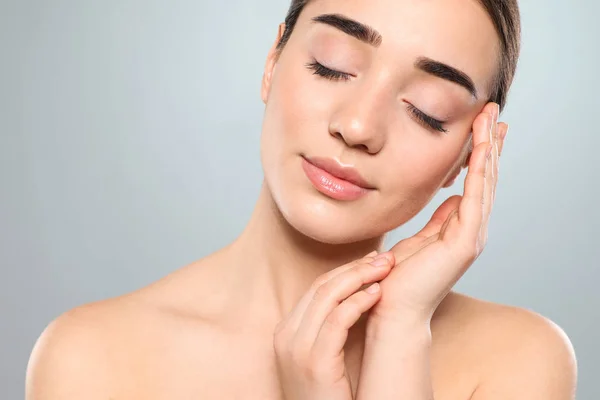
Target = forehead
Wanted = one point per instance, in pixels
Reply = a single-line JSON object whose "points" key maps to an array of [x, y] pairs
{"points": [[457, 32]]}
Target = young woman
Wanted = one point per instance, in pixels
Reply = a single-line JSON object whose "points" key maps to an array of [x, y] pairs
{"points": [[371, 108]]}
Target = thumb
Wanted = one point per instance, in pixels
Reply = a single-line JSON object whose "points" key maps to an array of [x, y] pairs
{"points": [[434, 226]]}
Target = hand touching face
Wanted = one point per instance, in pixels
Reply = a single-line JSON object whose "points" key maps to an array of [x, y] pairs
{"points": [[375, 110], [428, 264]]}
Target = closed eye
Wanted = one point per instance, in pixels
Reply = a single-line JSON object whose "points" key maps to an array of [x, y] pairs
{"points": [[425, 119], [331, 74]]}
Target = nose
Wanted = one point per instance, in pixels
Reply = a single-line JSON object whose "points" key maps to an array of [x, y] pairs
{"points": [[361, 123]]}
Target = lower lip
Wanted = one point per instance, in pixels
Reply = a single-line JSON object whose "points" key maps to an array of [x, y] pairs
{"points": [[330, 185]]}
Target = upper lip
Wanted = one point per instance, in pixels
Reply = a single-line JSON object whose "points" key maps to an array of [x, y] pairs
{"points": [[333, 167]]}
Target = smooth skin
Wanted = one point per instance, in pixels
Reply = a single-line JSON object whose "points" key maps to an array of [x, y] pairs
{"points": [[296, 307], [157, 344], [310, 342]]}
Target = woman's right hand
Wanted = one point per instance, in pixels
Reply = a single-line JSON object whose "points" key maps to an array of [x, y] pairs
{"points": [[309, 342]]}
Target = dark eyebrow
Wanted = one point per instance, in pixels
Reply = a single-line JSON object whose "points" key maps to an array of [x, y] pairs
{"points": [[369, 35], [447, 72], [360, 31]]}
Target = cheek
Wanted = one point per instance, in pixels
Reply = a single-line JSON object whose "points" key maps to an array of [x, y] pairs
{"points": [[284, 119], [303, 107], [413, 176], [420, 163], [411, 170], [294, 122]]}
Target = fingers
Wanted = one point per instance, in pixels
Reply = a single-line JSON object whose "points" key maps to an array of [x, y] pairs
{"points": [[408, 247], [336, 293], [471, 208], [482, 176], [491, 175], [502, 132], [335, 305], [295, 316], [334, 332], [335, 301], [430, 232]]}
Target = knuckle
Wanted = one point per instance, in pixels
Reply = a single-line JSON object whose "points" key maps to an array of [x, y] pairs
{"points": [[366, 260], [317, 370], [322, 292], [353, 311], [298, 358], [363, 271], [358, 275], [334, 320], [338, 319], [320, 281], [312, 371]]}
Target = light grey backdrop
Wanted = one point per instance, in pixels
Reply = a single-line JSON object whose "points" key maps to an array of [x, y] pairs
{"points": [[115, 115]]}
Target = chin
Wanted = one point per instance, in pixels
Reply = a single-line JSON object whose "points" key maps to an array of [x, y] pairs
{"points": [[325, 221]]}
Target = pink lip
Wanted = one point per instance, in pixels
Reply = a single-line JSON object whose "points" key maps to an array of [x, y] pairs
{"points": [[333, 180]]}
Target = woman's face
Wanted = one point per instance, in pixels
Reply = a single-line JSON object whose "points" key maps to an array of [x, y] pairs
{"points": [[364, 118]]}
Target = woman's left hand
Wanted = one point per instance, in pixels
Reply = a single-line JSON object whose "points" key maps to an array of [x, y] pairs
{"points": [[428, 264]]}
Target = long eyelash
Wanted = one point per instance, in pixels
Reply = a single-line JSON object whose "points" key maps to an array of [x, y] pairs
{"points": [[331, 74], [321, 70], [426, 119]]}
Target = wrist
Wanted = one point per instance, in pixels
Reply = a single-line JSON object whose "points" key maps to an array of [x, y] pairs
{"points": [[397, 328], [396, 359]]}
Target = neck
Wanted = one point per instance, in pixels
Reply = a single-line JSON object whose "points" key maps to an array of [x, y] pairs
{"points": [[275, 264]]}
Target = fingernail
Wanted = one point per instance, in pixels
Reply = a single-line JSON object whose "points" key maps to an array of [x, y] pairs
{"points": [[380, 261], [495, 111], [374, 288], [386, 254], [503, 134]]}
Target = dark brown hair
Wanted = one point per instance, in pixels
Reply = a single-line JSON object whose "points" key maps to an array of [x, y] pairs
{"points": [[506, 19]]}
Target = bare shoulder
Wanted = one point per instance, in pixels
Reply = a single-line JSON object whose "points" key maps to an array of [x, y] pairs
{"points": [[99, 349], [519, 353], [80, 345]]}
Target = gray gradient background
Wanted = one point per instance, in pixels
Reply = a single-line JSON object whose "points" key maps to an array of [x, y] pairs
{"points": [[129, 148]]}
